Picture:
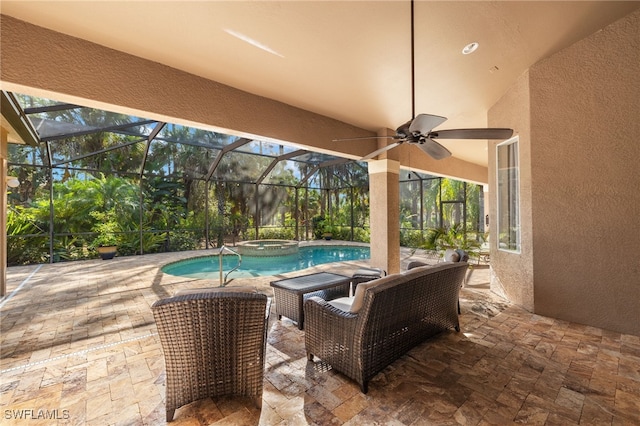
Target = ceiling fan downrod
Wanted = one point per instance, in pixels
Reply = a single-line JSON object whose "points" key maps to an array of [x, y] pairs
{"points": [[413, 68]]}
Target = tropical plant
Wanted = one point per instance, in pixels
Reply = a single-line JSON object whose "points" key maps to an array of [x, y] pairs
{"points": [[453, 237], [317, 226], [22, 246], [328, 229], [361, 234], [69, 248], [411, 238], [106, 228]]}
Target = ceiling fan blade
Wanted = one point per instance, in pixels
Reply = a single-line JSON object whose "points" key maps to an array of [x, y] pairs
{"points": [[434, 149], [423, 123], [490, 133], [364, 138], [380, 151]]}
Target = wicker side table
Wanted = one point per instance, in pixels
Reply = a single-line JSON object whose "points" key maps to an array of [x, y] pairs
{"points": [[291, 293]]}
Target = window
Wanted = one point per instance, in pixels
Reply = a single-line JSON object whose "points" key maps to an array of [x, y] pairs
{"points": [[508, 196]]}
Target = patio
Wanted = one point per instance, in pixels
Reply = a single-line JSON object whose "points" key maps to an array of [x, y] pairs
{"points": [[79, 343]]}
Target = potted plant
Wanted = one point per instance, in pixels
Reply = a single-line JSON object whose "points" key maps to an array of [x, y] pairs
{"points": [[322, 227], [327, 235], [106, 240], [327, 230]]}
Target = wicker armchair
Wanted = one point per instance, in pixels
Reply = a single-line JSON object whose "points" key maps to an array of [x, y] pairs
{"points": [[214, 344], [396, 313]]}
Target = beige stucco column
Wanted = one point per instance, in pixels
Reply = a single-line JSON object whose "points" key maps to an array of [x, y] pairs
{"points": [[3, 211], [384, 196]]}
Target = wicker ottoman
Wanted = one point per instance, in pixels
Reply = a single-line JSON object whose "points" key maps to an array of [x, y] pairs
{"points": [[291, 293]]}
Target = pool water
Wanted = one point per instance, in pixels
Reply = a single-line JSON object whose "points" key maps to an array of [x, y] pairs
{"points": [[253, 266]]}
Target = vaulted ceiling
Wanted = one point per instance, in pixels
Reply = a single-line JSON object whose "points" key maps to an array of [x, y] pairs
{"points": [[349, 60]]}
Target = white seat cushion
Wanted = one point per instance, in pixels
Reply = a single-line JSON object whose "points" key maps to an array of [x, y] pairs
{"points": [[354, 304], [342, 303], [358, 297]]}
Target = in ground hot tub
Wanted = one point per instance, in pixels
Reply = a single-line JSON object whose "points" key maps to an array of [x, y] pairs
{"points": [[267, 248]]}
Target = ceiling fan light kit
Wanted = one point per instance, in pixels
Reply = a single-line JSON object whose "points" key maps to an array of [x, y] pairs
{"points": [[419, 130]]}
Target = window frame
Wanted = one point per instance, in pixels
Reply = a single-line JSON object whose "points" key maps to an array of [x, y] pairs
{"points": [[508, 174]]}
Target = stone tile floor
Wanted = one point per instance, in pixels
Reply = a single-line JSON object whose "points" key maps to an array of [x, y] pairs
{"points": [[79, 346]]}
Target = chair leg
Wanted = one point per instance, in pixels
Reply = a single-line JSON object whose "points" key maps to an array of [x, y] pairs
{"points": [[170, 414]]}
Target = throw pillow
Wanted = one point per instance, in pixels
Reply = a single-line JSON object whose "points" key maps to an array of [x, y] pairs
{"points": [[358, 297], [464, 257], [451, 256]]}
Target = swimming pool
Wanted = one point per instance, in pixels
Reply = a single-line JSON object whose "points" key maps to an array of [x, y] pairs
{"points": [[254, 266]]}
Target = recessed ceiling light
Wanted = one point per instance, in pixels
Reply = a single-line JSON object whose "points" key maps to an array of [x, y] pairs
{"points": [[470, 48]]}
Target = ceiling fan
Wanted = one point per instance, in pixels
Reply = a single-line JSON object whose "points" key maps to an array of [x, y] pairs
{"points": [[419, 130]]}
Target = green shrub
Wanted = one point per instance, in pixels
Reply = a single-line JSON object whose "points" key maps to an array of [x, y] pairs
{"points": [[318, 226], [68, 247], [362, 235], [183, 240], [22, 246], [277, 233], [411, 238]]}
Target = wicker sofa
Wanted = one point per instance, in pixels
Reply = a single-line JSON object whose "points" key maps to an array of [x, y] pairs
{"points": [[361, 335]]}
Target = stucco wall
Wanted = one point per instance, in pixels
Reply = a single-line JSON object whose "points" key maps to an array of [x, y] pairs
{"points": [[581, 196], [512, 273], [585, 125]]}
